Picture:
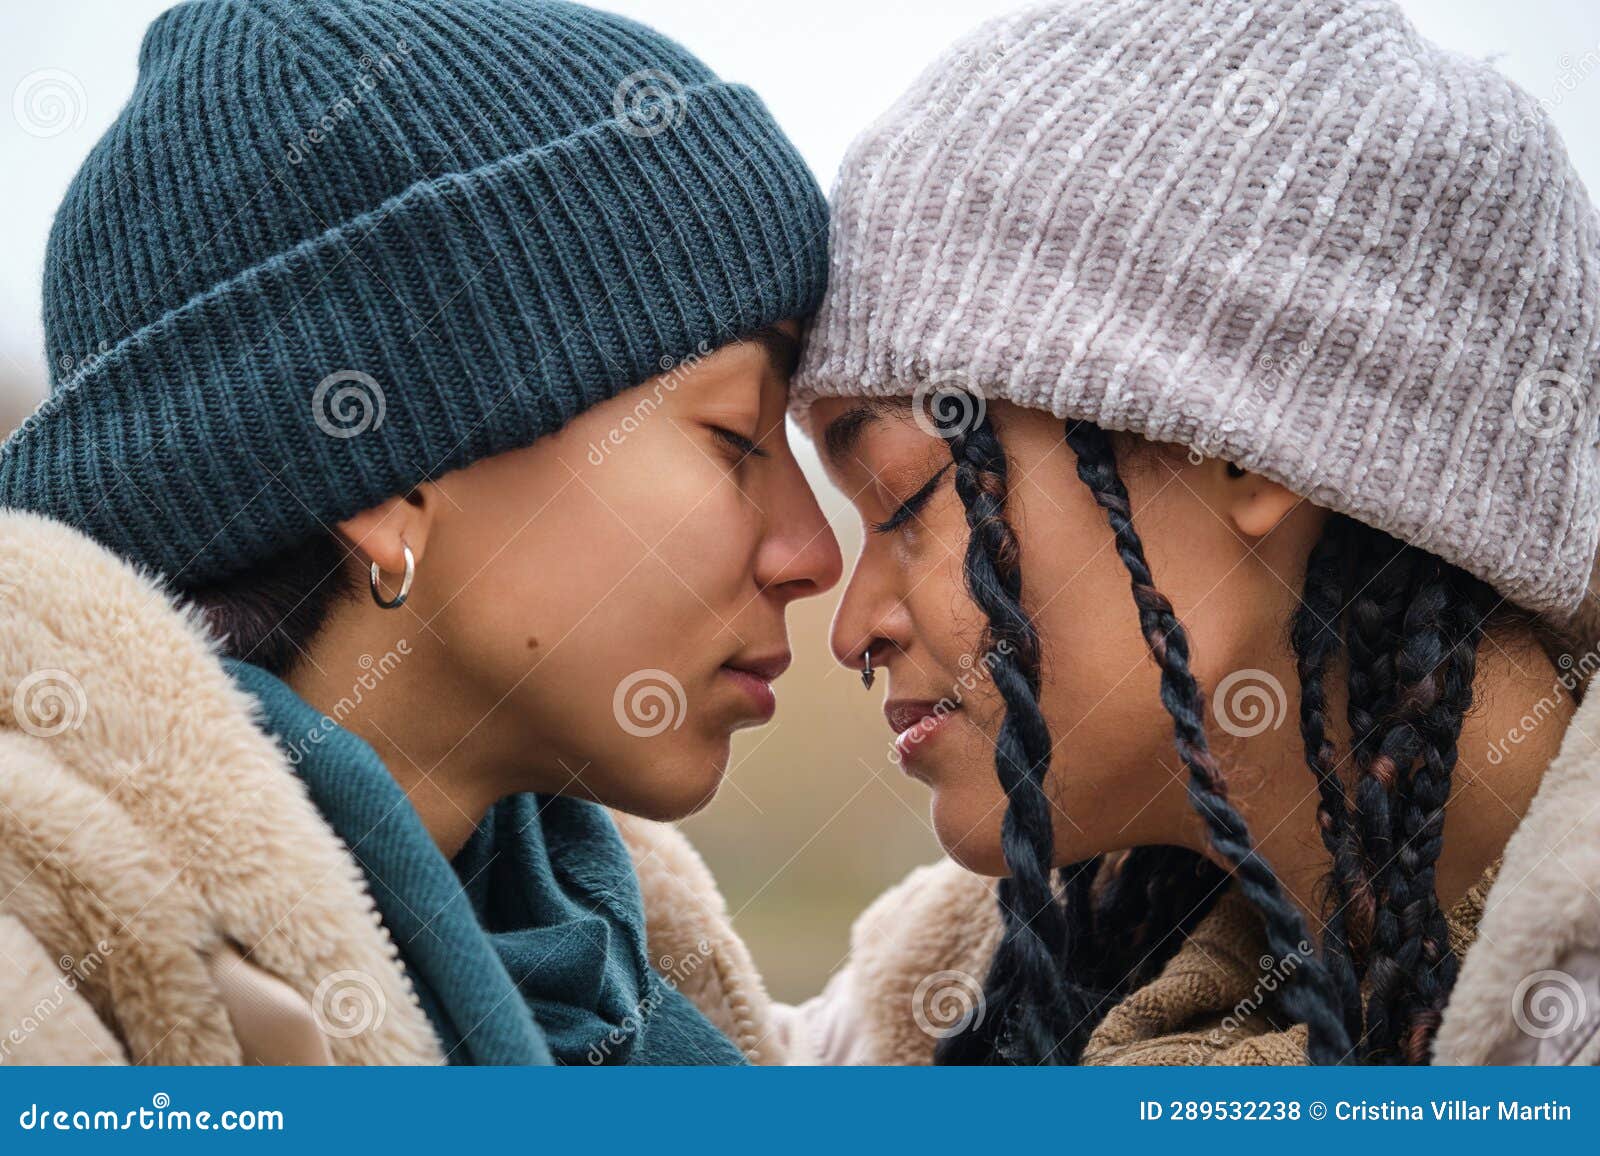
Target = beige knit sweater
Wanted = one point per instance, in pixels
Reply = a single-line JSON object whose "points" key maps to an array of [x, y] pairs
{"points": [[919, 953]]}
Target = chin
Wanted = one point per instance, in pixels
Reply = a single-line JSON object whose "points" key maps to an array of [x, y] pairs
{"points": [[675, 787], [969, 832]]}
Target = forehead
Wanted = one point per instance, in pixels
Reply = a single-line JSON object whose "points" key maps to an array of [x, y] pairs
{"points": [[840, 423]]}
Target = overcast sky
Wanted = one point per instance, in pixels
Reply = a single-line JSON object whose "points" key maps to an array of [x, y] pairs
{"points": [[825, 67]]}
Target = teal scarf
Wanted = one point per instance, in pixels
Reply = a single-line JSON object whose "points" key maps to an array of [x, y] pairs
{"points": [[530, 947]]}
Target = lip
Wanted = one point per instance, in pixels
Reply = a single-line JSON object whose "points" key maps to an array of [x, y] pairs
{"points": [[768, 669], [915, 723], [755, 677]]}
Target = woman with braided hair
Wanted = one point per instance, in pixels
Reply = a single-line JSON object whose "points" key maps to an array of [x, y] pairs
{"points": [[1243, 308]]}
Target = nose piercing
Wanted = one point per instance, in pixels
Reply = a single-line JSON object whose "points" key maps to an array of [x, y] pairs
{"points": [[867, 673]]}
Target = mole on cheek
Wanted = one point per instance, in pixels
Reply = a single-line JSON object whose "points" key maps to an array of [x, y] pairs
{"points": [[533, 643]]}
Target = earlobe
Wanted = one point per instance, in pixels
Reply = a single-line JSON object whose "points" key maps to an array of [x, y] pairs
{"points": [[1257, 505], [382, 533]]}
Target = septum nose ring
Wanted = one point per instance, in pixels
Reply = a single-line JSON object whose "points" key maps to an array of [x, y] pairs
{"points": [[867, 673]]}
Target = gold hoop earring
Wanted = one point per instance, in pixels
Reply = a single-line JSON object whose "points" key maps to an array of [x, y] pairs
{"points": [[399, 599]]}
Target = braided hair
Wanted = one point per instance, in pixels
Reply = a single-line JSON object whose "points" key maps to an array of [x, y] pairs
{"points": [[1077, 940], [1410, 626]]}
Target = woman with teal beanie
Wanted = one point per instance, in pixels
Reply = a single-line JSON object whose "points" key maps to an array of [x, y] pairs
{"points": [[413, 487]]}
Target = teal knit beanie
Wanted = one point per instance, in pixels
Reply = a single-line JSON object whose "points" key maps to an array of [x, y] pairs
{"points": [[333, 248]]}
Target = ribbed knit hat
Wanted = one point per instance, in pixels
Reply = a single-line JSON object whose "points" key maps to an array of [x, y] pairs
{"points": [[332, 248], [1291, 235]]}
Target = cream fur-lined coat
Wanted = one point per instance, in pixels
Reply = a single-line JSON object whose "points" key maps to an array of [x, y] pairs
{"points": [[168, 892]]}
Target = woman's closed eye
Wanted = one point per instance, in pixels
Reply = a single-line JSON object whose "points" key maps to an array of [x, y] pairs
{"points": [[738, 442], [909, 508]]}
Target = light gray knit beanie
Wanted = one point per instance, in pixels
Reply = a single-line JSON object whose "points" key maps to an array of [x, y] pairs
{"points": [[1294, 236]]}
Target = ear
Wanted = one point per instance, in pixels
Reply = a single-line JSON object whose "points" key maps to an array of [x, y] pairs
{"points": [[1255, 505], [382, 533]]}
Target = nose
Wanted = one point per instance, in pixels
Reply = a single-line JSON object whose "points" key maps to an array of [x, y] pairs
{"points": [[799, 557], [870, 615]]}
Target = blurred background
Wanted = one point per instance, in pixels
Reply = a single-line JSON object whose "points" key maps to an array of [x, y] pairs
{"points": [[815, 820]]}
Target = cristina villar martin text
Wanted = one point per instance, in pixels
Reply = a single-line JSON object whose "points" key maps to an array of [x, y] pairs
{"points": [[1450, 1110]]}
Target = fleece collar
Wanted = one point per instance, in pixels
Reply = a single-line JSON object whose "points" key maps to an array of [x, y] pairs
{"points": [[145, 820], [1529, 990]]}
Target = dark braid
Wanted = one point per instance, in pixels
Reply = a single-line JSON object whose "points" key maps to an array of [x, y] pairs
{"points": [[1151, 900], [1310, 994], [1036, 1011], [1429, 668], [1422, 815], [1379, 579], [1348, 893], [1411, 625]]}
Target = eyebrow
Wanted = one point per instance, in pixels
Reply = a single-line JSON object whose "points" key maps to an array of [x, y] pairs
{"points": [[844, 432], [782, 349]]}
